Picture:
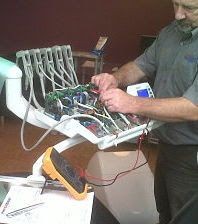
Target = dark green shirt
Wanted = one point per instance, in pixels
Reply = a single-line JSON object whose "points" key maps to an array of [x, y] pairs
{"points": [[172, 61]]}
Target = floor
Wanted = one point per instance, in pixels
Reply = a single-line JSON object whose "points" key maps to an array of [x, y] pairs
{"points": [[14, 158]]}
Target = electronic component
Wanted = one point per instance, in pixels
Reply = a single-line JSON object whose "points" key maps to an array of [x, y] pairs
{"points": [[141, 90], [84, 99], [57, 167]]}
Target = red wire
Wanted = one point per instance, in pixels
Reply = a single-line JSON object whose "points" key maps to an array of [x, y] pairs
{"points": [[123, 173]]}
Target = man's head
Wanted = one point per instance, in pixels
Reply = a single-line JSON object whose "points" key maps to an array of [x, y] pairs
{"points": [[186, 14]]}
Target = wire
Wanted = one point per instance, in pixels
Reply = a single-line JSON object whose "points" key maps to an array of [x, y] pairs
{"points": [[43, 72], [113, 122], [123, 173], [53, 127]]}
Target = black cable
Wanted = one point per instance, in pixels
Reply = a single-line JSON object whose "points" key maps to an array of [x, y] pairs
{"points": [[123, 172], [127, 171]]}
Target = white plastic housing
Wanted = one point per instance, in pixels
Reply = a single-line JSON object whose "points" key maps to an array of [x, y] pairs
{"points": [[15, 101]]}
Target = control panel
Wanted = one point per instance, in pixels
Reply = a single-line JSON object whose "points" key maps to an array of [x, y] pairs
{"points": [[141, 90]]}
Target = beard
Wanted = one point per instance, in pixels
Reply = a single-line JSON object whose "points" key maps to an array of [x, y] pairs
{"points": [[184, 26]]}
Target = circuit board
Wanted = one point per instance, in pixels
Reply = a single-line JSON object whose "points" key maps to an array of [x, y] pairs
{"points": [[84, 100]]}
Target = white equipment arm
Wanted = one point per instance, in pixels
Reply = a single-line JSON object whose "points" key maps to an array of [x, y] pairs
{"points": [[14, 98]]}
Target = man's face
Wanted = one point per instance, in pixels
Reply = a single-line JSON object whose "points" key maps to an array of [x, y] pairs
{"points": [[186, 14]]}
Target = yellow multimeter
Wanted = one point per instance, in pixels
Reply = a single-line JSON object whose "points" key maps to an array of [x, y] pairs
{"points": [[57, 167]]}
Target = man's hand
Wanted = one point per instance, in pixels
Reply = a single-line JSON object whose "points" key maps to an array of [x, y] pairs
{"points": [[167, 109], [104, 81], [117, 100]]}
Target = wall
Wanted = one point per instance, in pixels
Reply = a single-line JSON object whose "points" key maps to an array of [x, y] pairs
{"points": [[29, 24]]}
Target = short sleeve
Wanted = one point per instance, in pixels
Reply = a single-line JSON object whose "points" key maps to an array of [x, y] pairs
{"points": [[147, 61]]}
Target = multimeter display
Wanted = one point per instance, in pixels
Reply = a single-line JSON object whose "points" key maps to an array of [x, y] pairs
{"points": [[59, 168]]}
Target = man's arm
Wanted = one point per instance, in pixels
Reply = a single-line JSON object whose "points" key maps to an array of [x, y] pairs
{"points": [[167, 109], [127, 74]]}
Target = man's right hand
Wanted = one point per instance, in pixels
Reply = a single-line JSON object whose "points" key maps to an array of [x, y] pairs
{"points": [[104, 81]]}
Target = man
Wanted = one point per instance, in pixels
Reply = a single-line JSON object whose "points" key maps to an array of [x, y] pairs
{"points": [[172, 61]]}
